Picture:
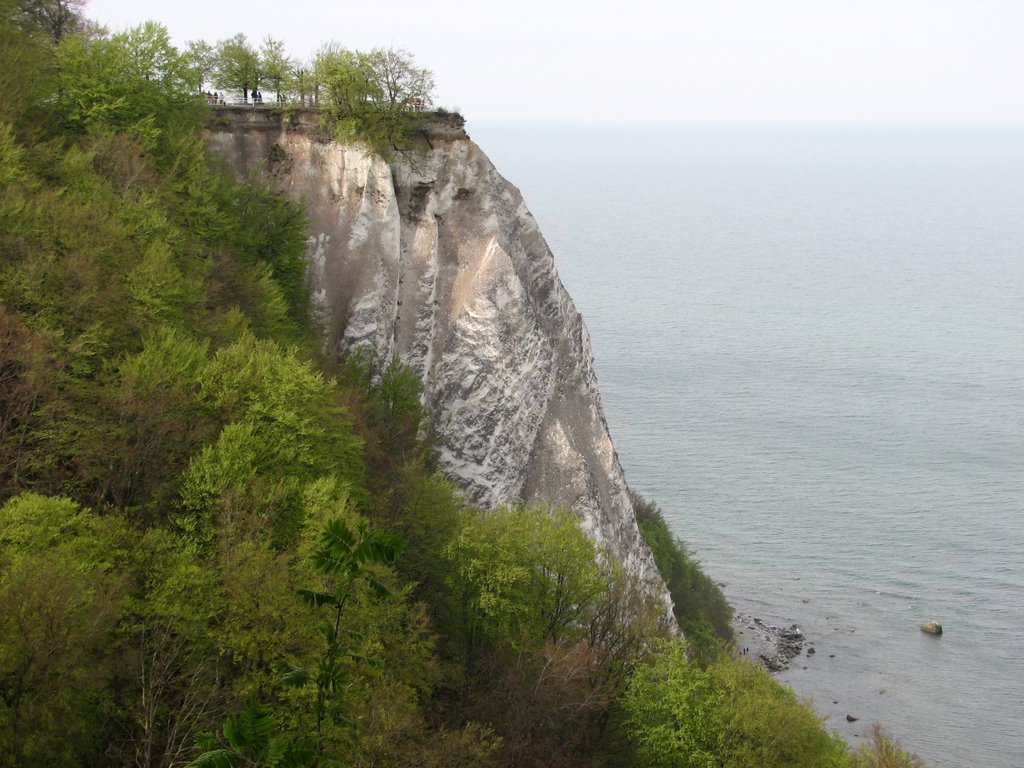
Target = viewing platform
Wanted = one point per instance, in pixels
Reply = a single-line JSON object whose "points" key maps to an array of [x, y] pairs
{"points": [[272, 115]]}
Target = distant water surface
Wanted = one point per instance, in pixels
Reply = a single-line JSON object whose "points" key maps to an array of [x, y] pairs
{"points": [[810, 346]]}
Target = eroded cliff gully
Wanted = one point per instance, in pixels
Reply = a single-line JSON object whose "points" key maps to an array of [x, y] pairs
{"points": [[440, 263]]}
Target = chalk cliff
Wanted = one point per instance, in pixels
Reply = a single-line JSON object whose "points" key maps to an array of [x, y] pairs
{"points": [[440, 263]]}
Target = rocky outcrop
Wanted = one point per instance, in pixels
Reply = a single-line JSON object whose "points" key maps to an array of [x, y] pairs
{"points": [[932, 628], [774, 647], [438, 261]]}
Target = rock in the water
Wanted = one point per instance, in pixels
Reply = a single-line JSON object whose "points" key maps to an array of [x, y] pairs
{"points": [[852, 719], [932, 628]]}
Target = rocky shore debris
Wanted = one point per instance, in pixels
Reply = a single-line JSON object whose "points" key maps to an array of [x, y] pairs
{"points": [[932, 628], [775, 647]]}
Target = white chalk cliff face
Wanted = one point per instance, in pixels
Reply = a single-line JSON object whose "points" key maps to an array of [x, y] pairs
{"points": [[441, 264]]}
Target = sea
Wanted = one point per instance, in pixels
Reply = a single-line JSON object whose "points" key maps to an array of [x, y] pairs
{"points": [[810, 349]]}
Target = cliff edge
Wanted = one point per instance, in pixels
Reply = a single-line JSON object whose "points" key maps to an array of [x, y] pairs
{"points": [[438, 261]]}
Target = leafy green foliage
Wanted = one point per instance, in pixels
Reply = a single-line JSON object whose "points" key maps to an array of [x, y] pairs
{"points": [[53, 19], [525, 575], [59, 599], [728, 713], [282, 430], [273, 234], [276, 66], [427, 511], [553, 621], [251, 743], [698, 603], [25, 81], [133, 81], [880, 750], [345, 557], [236, 65], [376, 97], [168, 682]]}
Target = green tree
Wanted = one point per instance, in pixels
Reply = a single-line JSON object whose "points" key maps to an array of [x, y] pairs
{"points": [[282, 430], [133, 81], [345, 558], [26, 80], [60, 594], [549, 625], [729, 714], [400, 82], [29, 370], [276, 66], [344, 86], [524, 575], [169, 682], [56, 19], [262, 621], [427, 510], [150, 421], [376, 97], [305, 84], [237, 65], [270, 230], [404, 91], [396, 406], [202, 57], [250, 743]]}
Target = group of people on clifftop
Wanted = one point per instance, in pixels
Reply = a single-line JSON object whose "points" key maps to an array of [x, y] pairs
{"points": [[217, 99]]}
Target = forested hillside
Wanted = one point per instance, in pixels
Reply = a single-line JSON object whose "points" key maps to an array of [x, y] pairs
{"points": [[218, 548]]}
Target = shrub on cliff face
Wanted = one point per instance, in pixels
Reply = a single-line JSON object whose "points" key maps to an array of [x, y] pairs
{"points": [[698, 603]]}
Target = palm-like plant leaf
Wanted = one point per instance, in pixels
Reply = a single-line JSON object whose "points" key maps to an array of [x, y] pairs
{"points": [[294, 676], [217, 758], [251, 729], [316, 598]]}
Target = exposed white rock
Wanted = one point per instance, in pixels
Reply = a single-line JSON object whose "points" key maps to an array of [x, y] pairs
{"points": [[440, 263]]}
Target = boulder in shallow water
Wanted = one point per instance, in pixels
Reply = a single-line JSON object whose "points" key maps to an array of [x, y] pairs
{"points": [[932, 628]]}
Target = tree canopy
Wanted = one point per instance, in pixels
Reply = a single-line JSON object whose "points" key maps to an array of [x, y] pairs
{"points": [[133, 81], [682, 715], [56, 19], [236, 65]]}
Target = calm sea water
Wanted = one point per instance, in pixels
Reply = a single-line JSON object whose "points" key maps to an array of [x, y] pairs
{"points": [[810, 346]]}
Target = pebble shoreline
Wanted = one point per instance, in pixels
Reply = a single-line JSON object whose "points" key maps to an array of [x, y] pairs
{"points": [[773, 647]]}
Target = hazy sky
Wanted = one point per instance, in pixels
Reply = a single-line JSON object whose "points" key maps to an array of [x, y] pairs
{"points": [[713, 61]]}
